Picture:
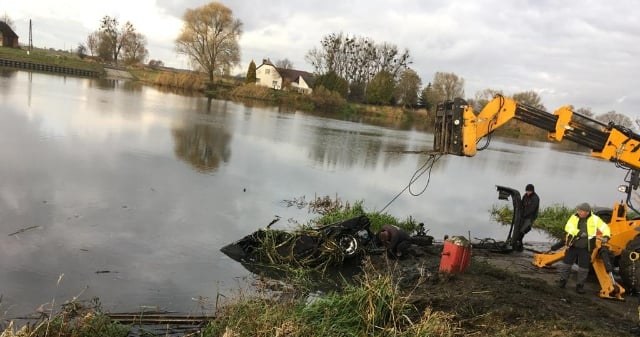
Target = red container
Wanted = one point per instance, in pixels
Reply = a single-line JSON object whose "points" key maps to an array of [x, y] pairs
{"points": [[456, 255]]}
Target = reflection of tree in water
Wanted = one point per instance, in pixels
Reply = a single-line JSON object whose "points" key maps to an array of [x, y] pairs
{"points": [[204, 146], [111, 83], [103, 83]]}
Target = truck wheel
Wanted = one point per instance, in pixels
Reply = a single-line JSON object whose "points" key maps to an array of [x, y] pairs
{"points": [[630, 266]]}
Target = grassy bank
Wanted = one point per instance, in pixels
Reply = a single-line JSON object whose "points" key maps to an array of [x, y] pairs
{"points": [[48, 57]]}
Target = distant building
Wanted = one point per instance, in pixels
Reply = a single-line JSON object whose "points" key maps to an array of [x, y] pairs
{"points": [[8, 37], [269, 75]]}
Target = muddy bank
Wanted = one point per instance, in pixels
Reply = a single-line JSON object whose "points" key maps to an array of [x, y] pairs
{"points": [[504, 294]]}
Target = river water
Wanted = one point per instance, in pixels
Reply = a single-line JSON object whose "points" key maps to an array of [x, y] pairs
{"points": [[127, 193]]}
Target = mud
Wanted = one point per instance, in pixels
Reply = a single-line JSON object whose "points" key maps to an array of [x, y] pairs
{"points": [[504, 294]]}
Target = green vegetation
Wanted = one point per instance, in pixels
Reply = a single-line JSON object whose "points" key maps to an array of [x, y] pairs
{"points": [[375, 306], [550, 219]]}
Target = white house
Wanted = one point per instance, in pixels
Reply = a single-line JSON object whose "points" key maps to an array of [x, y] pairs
{"points": [[269, 75]]}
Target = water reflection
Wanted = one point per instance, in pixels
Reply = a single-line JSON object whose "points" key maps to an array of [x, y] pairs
{"points": [[203, 146], [8, 72], [203, 142], [112, 84]]}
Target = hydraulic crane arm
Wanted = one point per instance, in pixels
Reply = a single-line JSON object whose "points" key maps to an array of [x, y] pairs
{"points": [[459, 129]]}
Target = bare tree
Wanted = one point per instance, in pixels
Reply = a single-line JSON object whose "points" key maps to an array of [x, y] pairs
{"points": [[209, 38], [447, 86], [356, 59], [529, 98], [284, 64], [483, 97], [114, 38], [93, 41], [585, 111], [135, 49], [615, 118]]}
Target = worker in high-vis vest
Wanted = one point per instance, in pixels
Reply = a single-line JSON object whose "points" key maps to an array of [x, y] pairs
{"points": [[581, 231]]}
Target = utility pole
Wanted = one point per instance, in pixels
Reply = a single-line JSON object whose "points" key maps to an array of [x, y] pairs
{"points": [[30, 37]]}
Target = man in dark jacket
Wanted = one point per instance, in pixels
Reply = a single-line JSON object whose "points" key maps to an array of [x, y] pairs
{"points": [[395, 240], [530, 207]]}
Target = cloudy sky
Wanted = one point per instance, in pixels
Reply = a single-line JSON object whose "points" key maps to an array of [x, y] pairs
{"points": [[579, 52]]}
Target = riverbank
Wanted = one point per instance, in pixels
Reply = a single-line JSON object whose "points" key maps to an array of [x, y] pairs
{"points": [[49, 61], [320, 102], [498, 295]]}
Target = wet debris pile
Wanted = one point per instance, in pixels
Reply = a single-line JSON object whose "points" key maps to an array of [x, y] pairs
{"points": [[306, 247]]}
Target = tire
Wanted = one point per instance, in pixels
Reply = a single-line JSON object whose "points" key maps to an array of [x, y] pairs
{"points": [[349, 244], [630, 270]]}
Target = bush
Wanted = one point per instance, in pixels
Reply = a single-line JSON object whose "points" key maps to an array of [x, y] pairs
{"points": [[188, 81], [326, 100], [251, 90]]}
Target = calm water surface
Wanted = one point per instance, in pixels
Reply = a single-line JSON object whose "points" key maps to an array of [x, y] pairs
{"points": [[132, 191]]}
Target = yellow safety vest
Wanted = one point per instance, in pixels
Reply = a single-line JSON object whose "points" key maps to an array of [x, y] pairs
{"points": [[593, 222]]}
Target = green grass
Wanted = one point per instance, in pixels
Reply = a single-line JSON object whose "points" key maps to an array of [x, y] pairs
{"points": [[550, 219], [374, 307], [57, 58]]}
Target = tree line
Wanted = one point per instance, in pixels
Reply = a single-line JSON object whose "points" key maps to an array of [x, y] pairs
{"points": [[359, 69]]}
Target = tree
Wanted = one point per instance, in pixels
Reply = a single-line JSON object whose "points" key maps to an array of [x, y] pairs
{"points": [[585, 111], [332, 82], [529, 98], [156, 63], [209, 38], [81, 51], [615, 118], [284, 64], [407, 89], [251, 73], [356, 59], [447, 86], [114, 38], [93, 41], [380, 90], [111, 40], [427, 98], [483, 97], [135, 49]]}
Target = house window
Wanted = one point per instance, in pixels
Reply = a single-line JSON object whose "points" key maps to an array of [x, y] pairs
{"points": [[275, 84], [267, 71]]}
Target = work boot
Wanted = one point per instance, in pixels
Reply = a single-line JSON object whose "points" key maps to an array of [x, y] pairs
{"points": [[580, 288], [562, 283]]}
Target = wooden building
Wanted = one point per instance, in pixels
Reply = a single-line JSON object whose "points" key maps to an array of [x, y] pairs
{"points": [[8, 37]]}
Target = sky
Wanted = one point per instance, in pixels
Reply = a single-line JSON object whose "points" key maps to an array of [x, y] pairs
{"points": [[578, 52]]}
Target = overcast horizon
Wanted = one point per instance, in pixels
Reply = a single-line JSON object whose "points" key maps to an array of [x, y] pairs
{"points": [[570, 52]]}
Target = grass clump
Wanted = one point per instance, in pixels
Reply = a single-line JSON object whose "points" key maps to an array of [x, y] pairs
{"points": [[550, 219], [76, 319], [375, 306], [335, 210]]}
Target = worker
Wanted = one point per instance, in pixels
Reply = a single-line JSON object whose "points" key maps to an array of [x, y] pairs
{"points": [[395, 240], [581, 234], [530, 207]]}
